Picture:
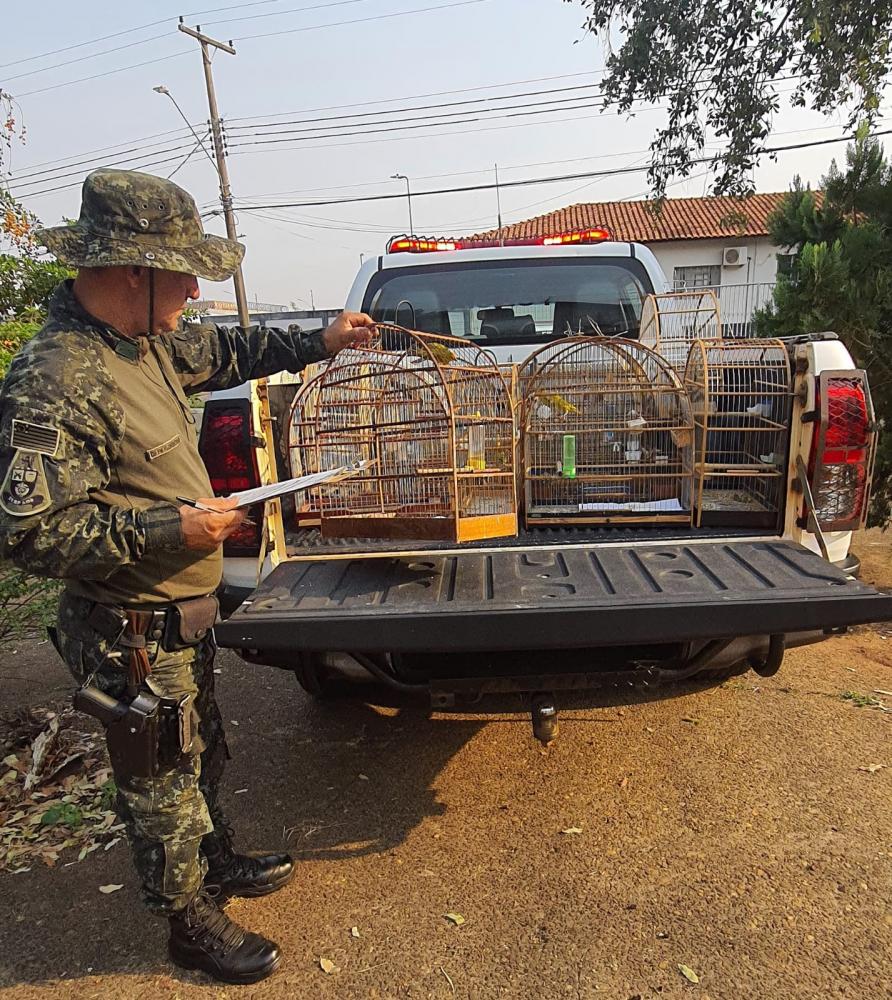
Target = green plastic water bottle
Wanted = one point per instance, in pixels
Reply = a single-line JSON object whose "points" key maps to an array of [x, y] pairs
{"points": [[568, 464]]}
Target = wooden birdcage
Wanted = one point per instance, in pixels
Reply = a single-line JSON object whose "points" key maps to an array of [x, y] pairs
{"points": [[434, 417], [672, 321], [607, 436], [741, 400]]}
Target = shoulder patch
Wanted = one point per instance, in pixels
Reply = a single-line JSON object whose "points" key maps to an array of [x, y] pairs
{"points": [[25, 491], [42, 438]]}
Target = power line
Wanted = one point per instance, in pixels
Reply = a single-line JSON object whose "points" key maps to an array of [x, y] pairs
{"points": [[94, 55], [251, 129], [80, 45], [61, 161], [244, 38], [129, 31], [281, 13], [363, 20], [129, 166], [137, 150], [526, 182], [338, 107], [422, 121], [111, 72], [154, 38], [419, 97]]}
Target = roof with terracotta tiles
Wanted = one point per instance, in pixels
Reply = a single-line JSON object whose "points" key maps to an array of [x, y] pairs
{"points": [[680, 219]]}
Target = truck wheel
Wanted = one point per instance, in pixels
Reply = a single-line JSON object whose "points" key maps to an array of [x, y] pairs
{"points": [[315, 678]]}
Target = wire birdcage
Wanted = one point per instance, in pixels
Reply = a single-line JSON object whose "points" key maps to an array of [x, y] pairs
{"points": [[672, 321], [741, 399], [607, 436], [433, 414], [302, 452]]}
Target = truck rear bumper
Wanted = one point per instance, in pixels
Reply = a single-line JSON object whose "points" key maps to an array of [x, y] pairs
{"points": [[551, 598]]}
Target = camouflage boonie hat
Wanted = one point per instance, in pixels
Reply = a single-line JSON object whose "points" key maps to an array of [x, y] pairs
{"points": [[129, 218]]}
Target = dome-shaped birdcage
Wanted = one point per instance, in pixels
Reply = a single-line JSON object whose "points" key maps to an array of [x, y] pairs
{"points": [[433, 416], [302, 452], [741, 399], [607, 435], [672, 321]]}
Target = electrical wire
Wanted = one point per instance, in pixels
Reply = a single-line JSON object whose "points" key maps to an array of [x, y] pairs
{"points": [[141, 149], [111, 72], [231, 127], [145, 27], [281, 13], [236, 129], [419, 97], [129, 166], [526, 182], [363, 20]]}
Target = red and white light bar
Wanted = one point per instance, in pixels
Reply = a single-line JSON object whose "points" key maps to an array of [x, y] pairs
{"points": [[414, 244]]}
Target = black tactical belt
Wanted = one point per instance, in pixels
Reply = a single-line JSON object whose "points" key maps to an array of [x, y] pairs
{"points": [[173, 626]]}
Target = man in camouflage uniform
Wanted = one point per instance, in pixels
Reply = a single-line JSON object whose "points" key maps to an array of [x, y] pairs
{"points": [[97, 439]]}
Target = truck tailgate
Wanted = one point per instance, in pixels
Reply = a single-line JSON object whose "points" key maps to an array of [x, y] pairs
{"points": [[551, 598]]}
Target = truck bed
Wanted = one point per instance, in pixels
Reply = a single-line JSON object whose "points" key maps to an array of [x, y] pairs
{"points": [[551, 597]]}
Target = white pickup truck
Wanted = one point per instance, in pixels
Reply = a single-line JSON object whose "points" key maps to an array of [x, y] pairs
{"points": [[553, 608]]}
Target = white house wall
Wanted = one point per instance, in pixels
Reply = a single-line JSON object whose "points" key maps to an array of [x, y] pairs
{"points": [[761, 264]]}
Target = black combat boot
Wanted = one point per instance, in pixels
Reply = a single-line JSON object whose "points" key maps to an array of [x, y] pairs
{"points": [[252, 874], [203, 937]]}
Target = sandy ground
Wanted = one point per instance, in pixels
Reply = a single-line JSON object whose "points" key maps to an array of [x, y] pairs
{"points": [[728, 829]]}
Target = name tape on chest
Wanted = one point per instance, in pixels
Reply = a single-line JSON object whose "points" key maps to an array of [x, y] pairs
{"points": [[163, 449]]}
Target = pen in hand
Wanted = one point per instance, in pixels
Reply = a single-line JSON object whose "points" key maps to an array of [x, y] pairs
{"points": [[211, 510]]}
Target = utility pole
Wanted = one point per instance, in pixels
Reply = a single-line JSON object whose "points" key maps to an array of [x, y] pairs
{"points": [[206, 41]]}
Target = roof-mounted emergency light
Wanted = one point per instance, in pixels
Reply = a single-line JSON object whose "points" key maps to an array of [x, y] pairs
{"points": [[414, 244]]}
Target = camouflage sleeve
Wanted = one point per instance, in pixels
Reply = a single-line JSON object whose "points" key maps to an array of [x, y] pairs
{"points": [[208, 357], [50, 462]]}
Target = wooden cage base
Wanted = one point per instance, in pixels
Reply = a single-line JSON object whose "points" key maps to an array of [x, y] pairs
{"points": [[424, 528]]}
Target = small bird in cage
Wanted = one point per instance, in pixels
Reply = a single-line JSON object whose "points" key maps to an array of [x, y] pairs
{"points": [[555, 403], [441, 353]]}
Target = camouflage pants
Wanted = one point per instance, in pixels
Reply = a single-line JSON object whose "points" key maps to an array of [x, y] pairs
{"points": [[165, 816]]}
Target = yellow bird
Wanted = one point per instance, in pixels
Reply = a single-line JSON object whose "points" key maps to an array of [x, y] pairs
{"points": [[558, 403], [441, 353]]}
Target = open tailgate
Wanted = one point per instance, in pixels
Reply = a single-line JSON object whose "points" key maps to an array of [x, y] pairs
{"points": [[551, 598]]}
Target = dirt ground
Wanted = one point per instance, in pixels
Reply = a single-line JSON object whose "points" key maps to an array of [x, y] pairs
{"points": [[735, 830]]}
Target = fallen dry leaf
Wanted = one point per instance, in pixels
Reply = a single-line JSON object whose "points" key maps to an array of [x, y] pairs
{"points": [[456, 919], [327, 966], [572, 829], [689, 973], [111, 887]]}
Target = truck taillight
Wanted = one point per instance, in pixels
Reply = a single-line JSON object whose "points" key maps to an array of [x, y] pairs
{"points": [[226, 446], [842, 453]]}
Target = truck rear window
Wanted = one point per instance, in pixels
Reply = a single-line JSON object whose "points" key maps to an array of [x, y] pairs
{"points": [[518, 301]]}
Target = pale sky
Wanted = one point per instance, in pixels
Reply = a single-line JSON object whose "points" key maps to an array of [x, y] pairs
{"points": [[501, 47]]}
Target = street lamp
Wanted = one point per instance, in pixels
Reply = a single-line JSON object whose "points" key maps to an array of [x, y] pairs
{"points": [[403, 177], [161, 89]]}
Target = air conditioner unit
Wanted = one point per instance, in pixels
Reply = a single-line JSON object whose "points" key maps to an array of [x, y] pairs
{"points": [[734, 256]]}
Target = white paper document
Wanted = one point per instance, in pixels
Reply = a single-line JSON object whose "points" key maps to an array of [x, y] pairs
{"points": [[261, 493], [668, 506]]}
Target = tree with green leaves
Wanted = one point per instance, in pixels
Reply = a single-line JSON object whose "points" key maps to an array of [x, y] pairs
{"points": [[26, 277], [842, 278], [724, 68]]}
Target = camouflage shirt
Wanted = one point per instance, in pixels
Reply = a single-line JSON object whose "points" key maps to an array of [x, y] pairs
{"points": [[97, 440]]}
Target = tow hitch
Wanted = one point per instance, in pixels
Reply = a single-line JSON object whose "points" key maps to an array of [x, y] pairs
{"points": [[545, 717]]}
